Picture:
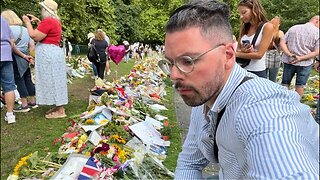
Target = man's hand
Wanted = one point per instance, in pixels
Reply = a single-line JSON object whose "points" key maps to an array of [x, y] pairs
{"points": [[295, 59]]}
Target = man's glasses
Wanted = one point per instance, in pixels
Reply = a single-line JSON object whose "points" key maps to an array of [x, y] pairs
{"points": [[183, 63]]}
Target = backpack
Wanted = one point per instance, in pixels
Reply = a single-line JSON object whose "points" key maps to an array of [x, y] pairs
{"points": [[92, 55]]}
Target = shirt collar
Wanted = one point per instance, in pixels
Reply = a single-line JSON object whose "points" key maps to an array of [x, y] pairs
{"points": [[235, 78]]}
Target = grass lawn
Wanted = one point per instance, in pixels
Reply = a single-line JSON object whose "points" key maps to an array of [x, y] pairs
{"points": [[33, 132]]}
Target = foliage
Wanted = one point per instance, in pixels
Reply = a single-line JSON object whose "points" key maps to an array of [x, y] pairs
{"points": [[143, 20], [234, 16], [291, 11], [126, 21], [114, 128]]}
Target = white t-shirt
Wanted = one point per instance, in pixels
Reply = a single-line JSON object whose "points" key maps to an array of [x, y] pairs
{"points": [[256, 64]]}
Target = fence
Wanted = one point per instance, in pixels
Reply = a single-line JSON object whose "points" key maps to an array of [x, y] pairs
{"points": [[80, 50]]}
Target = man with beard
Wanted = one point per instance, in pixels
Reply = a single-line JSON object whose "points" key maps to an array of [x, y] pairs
{"points": [[254, 128]]}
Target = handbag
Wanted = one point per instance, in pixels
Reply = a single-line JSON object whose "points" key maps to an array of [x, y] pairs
{"points": [[245, 62], [21, 63]]}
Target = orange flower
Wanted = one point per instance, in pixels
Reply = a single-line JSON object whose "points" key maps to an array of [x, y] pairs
{"points": [[165, 123], [166, 129]]}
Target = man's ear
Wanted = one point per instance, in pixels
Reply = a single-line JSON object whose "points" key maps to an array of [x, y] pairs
{"points": [[230, 53]]}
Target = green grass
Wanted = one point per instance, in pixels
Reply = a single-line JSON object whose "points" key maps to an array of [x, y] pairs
{"points": [[175, 137], [33, 132]]}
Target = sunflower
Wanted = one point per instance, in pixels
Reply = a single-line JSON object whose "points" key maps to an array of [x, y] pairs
{"points": [[23, 161]]}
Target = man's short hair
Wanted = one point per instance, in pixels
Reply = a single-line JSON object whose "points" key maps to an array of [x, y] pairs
{"points": [[211, 16]]}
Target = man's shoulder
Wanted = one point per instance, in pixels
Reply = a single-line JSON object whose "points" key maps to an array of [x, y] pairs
{"points": [[258, 89]]}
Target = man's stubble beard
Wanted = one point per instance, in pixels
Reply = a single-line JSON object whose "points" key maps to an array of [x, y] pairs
{"points": [[203, 94]]}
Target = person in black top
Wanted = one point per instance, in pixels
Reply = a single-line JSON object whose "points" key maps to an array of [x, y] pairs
{"points": [[100, 44], [66, 42]]}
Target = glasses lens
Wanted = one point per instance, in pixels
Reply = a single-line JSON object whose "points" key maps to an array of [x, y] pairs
{"points": [[165, 66], [185, 63]]}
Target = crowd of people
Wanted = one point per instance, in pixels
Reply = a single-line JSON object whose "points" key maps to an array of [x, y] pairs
{"points": [[250, 126], [48, 58], [133, 51]]}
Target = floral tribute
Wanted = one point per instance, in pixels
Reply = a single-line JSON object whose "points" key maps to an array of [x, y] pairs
{"points": [[102, 134]]}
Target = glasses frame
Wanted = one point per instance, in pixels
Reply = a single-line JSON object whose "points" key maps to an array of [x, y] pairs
{"points": [[192, 60]]}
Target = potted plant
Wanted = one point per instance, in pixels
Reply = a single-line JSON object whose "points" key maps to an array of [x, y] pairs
{"points": [[165, 130]]}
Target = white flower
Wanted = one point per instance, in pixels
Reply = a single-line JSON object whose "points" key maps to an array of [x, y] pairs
{"points": [[13, 177]]}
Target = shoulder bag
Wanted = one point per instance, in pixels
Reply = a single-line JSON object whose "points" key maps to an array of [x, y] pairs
{"points": [[19, 37], [245, 62]]}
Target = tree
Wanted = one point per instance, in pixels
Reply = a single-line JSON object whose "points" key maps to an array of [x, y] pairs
{"points": [[291, 12], [144, 20]]}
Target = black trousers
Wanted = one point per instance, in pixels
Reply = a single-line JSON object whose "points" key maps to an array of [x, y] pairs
{"points": [[101, 66], [24, 84]]}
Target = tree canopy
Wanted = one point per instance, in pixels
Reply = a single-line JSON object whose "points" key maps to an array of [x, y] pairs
{"points": [[144, 20]]}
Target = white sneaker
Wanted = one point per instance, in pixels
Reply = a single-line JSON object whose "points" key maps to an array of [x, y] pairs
{"points": [[11, 119]]}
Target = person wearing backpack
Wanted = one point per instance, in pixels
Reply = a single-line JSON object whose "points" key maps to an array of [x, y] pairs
{"points": [[90, 36], [253, 16], [100, 44]]}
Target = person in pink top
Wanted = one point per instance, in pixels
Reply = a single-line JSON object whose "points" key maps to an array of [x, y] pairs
{"points": [[50, 64]]}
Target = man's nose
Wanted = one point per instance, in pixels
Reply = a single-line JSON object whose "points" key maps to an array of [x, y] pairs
{"points": [[175, 73]]}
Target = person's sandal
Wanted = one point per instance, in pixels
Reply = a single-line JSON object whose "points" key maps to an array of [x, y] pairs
{"points": [[33, 105], [55, 115]]}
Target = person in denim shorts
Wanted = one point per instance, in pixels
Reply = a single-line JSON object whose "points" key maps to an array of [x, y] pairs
{"points": [[6, 75], [302, 73], [300, 46]]}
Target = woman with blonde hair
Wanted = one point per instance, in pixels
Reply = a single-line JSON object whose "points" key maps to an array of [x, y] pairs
{"points": [[100, 44], [50, 64], [22, 72], [252, 15], [273, 55]]}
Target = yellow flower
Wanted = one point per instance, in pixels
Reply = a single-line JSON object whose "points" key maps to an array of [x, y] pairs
{"points": [[104, 121], [309, 97], [23, 161], [90, 122], [122, 154], [83, 138], [121, 140]]}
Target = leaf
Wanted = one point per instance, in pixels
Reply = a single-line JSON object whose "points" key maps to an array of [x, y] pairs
{"points": [[34, 159]]}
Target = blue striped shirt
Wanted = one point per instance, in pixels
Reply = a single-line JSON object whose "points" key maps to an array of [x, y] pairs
{"points": [[265, 133]]}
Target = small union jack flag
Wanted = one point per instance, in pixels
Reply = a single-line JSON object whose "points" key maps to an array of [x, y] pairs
{"points": [[91, 169], [122, 94]]}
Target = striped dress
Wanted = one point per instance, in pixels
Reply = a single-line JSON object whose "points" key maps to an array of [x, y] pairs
{"points": [[51, 75]]}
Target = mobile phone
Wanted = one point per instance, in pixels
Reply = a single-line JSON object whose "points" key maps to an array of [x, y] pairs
{"points": [[29, 17], [292, 58], [246, 43]]}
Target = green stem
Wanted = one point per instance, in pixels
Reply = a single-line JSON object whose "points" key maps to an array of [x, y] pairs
{"points": [[52, 163], [40, 171]]}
